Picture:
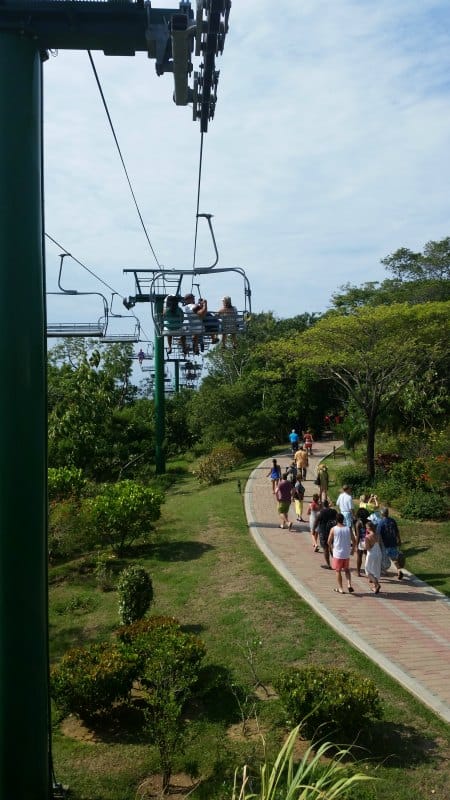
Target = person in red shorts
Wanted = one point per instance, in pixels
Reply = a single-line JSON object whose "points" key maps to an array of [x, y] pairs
{"points": [[341, 543]]}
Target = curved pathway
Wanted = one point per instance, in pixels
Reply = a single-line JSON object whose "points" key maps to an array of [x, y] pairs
{"points": [[409, 635]]}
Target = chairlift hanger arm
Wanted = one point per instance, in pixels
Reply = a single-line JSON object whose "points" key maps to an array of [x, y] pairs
{"points": [[208, 219], [125, 28]]}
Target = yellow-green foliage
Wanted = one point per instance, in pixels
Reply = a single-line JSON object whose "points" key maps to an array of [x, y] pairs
{"points": [[220, 460]]}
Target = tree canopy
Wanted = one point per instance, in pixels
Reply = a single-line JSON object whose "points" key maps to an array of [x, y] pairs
{"points": [[373, 354]]}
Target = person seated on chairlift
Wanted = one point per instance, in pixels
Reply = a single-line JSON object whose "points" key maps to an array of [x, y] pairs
{"points": [[230, 312], [193, 309], [172, 318], [141, 356]]}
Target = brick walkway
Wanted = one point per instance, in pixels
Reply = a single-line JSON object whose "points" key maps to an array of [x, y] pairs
{"points": [[409, 633]]}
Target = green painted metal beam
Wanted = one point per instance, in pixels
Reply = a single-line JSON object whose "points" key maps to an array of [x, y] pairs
{"points": [[159, 396], [24, 760]]}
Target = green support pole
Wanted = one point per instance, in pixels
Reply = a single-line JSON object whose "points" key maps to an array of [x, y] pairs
{"points": [[177, 376], [24, 758], [160, 459]]}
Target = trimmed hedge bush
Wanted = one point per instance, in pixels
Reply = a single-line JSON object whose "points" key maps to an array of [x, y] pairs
{"points": [[88, 681], [424, 505], [328, 702], [135, 590], [355, 477], [221, 459]]}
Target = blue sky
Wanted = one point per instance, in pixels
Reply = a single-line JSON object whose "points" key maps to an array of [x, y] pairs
{"points": [[329, 150]]}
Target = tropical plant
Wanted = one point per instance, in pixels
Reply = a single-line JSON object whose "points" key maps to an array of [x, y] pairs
{"points": [[310, 780]]}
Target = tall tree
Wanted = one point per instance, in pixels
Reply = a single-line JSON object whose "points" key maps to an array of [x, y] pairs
{"points": [[432, 264], [373, 354]]}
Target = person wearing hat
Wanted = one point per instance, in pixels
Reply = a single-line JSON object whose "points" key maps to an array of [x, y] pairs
{"points": [[387, 529]]}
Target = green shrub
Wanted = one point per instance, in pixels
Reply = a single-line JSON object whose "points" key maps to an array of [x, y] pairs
{"points": [[328, 702], [69, 532], [122, 512], [87, 681], [409, 474], [387, 490], [424, 505], [130, 633], [77, 604], [65, 482], [355, 477], [103, 571], [221, 459], [135, 590]]}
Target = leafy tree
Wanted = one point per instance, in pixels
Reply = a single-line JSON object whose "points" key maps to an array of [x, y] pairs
{"points": [[433, 263], [372, 354]]}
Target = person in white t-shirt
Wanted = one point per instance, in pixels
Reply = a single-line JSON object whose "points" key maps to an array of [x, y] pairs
{"points": [[345, 505], [341, 543]]}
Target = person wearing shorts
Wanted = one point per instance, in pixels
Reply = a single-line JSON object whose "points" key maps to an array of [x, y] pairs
{"points": [[341, 542], [284, 497]]}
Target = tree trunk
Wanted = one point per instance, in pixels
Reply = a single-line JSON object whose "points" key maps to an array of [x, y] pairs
{"points": [[371, 429]]}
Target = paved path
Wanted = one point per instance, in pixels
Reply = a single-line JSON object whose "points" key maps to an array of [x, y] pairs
{"points": [[409, 634]]}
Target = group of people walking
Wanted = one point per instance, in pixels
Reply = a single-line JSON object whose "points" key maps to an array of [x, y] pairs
{"points": [[339, 529]]}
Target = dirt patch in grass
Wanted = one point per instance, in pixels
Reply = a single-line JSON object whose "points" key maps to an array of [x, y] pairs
{"points": [[181, 785], [74, 728]]}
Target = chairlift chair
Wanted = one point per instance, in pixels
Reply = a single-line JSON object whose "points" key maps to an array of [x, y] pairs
{"points": [[95, 328], [154, 285]]}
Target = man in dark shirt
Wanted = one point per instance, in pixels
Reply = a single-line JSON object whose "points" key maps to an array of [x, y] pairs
{"points": [[324, 522], [387, 529], [284, 496]]}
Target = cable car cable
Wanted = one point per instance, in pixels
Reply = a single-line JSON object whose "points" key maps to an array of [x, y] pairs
{"points": [[121, 157]]}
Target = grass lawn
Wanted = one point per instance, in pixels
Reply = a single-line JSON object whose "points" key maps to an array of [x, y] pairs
{"points": [[208, 573]]}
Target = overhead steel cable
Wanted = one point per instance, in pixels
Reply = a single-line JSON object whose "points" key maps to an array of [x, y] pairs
{"points": [[198, 197], [121, 157]]}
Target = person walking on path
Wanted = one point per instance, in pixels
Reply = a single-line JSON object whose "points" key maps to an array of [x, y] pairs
{"points": [[313, 513], [345, 505], [373, 557], [298, 495], [274, 474], [389, 533], [362, 516], [322, 480], [341, 542], [302, 461], [294, 438], [324, 522], [284, 496]]}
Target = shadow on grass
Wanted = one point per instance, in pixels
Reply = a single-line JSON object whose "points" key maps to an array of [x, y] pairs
{"points": [[398, 745], [414, 551], [65, 638], [179, 551]]}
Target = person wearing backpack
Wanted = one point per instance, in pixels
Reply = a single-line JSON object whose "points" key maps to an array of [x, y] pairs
{"points": [[325, 521], [298, 495], [388, 530]]}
